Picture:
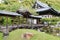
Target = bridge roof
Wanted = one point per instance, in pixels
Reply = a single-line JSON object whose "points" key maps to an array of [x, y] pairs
{"points": [[7, 13], [35, 17]]}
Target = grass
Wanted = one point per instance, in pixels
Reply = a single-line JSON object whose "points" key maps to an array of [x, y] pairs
{"points": [[16, 35], [1, 36]]}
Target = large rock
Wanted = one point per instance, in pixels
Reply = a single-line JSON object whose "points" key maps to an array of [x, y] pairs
{"points": [[27, 36]]}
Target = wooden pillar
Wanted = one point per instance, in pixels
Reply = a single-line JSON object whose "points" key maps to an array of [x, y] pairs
{"points": [[18, 21], [12, 24], [12, 21], [7, 26], [0, 23], [26, 21], [23, 20], [7, 22], [6, 30], [38, 21], [31, 23]]}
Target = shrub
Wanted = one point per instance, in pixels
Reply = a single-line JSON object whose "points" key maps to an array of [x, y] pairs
{"points": [[52, 21]]}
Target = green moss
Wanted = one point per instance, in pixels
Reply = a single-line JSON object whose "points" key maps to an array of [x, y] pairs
{"points": [[1, 38], [16, 35]]}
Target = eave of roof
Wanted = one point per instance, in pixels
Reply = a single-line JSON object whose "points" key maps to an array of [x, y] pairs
{"points": [[35, 17], [7, 13], [42, 9], [44, 5]]}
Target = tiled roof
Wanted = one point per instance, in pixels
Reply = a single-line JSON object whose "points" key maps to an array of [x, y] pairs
{"points": [[42, 4], [35, 17], [42, 9], [7, 13], [46, 9]]}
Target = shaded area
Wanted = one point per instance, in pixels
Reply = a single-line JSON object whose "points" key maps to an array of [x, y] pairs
{"points": [[27, 14]]}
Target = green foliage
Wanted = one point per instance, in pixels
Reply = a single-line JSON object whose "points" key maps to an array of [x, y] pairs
{"points": [[17, 35], [47, 29], [54, 3], [7, 21], [52, 21], [27, 5], [22, 20], [3, 6], [57, 30], [13, 7], [1, 38], [51, 30], [3, 21], [10, 5]]}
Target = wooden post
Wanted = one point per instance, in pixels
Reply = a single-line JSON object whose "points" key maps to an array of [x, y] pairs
{"points": [[18, 21], [38, 21], [6, 30], [31, 23], [7, 22], [12, 22], [0, 25], [23, 20], [27, 20]]}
